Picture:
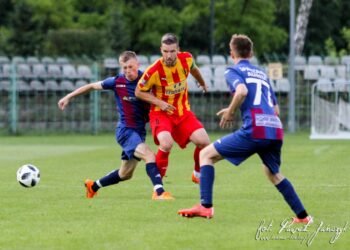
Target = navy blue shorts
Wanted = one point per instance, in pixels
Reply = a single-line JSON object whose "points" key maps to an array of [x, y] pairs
{"points": [[237, 147], [129, 139]]}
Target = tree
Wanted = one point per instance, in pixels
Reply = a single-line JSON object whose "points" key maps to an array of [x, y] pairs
{"points": [[301, 25]]}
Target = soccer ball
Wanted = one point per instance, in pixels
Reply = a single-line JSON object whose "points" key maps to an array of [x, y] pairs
{"points": [[28, 175]]}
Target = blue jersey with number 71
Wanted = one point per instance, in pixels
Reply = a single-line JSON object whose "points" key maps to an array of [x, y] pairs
{"points": [[257, 111]]}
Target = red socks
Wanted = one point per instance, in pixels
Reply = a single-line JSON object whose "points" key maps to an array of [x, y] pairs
{"points": [[162, 159], [196, 159]]}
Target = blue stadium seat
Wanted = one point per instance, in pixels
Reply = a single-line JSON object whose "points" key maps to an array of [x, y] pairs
{"points": [[69, 72], [153, 58], [341, 71], [300, 62], [18, 59], [5, 85], [80, 83], [328, 72], [203, 60], [62, 60], [54, 71], [51, 85], [282, 85], [219, 82], [218, 60], [84, 72], [36, 85], [143, 59], [31, 60], [66, 85], [331, 60], [47, 60], [192, 85], [24, 71], [110, 63], [311, 72], [39, 71], [5, 71], [325, 85], [315, 60], [4, 59]]}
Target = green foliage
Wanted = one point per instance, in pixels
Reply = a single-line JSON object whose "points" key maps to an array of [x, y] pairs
{"points": [[346, 35], [75, 43], [330, 47], [247, 18], [118, 32]]}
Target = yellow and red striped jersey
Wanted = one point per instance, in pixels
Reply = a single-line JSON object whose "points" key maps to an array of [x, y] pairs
{"points": [[169, 83]]}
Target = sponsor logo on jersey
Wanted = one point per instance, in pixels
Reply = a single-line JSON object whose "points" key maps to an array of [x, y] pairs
{"points": [[129, 98], [120, 85], [264, 120], [175, 88]]}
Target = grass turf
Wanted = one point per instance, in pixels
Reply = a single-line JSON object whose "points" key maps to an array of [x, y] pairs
{"points": [[56, 214]]}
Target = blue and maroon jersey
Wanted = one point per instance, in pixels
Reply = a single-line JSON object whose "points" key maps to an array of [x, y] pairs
{"points": [[133, 113], [257, 110]]}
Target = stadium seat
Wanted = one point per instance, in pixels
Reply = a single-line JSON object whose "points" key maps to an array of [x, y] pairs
{"points": [[311, 73], [69, 72], [39, 71], [203, 60], [192, 85], [315, 60], [219, 82], [4, 59], [47, 60], [5, 72], [325, 85], [22, 86], [51, 85], [54, 71], [143, 59], [207, 74], [218, 60], [80, 83], [110, 63], [31, 60], [345, 60], [24, 71], [300, 62], [254, 60], [331, 60], [328, 72], [282, 85], [66, 85], [153, 58], [341, 84], [18, 59], [5, 85], [36, 85], [341, 71], [84, 72], [62, 60]]}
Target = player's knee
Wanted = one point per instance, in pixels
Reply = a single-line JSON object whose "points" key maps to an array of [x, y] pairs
{"points": [[149, 157], [166, 145]]}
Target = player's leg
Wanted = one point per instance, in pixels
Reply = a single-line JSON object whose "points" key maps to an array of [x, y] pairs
{"points": [[208, 156], [143, 152], [271, 157], [123, 173], [201, 139]]}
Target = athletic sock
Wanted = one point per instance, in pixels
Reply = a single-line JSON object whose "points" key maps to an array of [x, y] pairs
{"points": [[206, 185], [153, 173], [162, 159], [110, 179], [196, 159], [291, 197]]}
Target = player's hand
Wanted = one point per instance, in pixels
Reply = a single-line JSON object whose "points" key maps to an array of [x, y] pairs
{"points": [[63, 103], [164, 106], [226, 118]]}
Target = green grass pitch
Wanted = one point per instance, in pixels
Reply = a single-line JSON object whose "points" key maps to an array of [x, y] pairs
{"points": [[56, 214]]}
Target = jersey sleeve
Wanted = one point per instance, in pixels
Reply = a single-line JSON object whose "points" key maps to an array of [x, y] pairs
{"points": [[233, 79], [108, 83], [147, 80]]}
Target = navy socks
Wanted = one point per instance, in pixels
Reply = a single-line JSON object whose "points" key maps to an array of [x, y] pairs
{"points": [[291, 197], [154, 175], [206, 185], [110, 179]]}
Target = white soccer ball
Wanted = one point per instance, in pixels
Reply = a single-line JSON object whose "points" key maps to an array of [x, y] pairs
{"points": [[28, 175]]}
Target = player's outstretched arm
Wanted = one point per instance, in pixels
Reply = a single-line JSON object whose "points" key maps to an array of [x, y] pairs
{"points": [[198, 76], [150, 98], [84, 89]]}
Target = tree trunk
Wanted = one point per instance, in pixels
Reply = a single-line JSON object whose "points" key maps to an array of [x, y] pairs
{"points": [[301, 25]]}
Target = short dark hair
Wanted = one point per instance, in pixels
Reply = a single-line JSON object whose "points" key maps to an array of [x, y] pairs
{"points": [[169, 38], [242, 45], [126, 56]]}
